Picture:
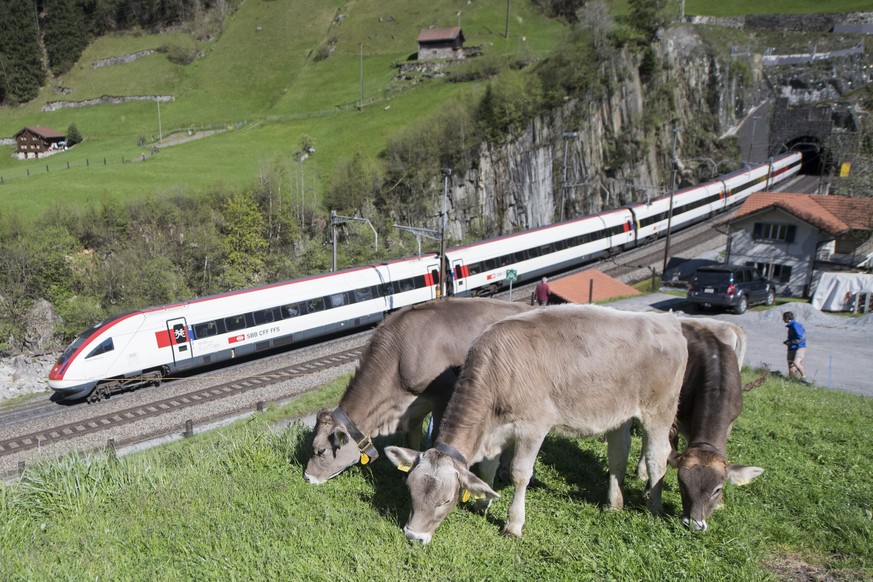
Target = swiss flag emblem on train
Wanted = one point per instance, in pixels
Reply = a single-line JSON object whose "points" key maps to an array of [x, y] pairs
{"points": [[236, 339]]}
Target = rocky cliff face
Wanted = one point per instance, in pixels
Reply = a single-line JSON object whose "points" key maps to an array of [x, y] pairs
{"points": [[622, 148]]}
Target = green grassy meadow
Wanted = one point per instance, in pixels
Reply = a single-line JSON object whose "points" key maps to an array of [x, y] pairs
{"points": [[261, 79], [232, 504]]}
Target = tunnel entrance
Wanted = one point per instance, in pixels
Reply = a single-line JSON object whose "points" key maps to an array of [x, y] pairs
{"points": [[814, 156]]}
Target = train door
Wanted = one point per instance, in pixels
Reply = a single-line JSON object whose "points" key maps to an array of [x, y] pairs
{"points": [[432, 280], [457, 278], [179, 339]]}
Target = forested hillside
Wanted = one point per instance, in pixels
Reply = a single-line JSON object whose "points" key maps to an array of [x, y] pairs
{"points": [[38, 37]]}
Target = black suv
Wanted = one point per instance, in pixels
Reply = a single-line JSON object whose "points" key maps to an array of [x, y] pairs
{"points": [[730, 286]]}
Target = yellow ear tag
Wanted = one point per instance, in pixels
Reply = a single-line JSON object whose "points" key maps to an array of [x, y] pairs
{"points": [[365, 458], [465, 496], [404, 468]]}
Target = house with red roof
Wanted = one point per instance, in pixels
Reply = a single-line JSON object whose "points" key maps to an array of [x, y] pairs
{"points": [[38, 139], [794, 238]]}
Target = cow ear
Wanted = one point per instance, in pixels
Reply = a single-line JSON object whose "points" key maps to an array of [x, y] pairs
{"points": [[477, 487], [338, 437], [742, 475], [402, 458]]}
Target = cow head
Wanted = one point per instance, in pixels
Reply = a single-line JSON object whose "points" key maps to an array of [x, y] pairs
{"points": [[436, 483], [333, 450], [702, 475]]}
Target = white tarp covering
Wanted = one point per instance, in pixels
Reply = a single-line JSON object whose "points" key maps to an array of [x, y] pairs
{"points": [[840, 291]]}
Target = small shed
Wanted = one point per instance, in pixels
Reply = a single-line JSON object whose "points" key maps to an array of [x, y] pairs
{"points": [[441, 43], [37, 139], [588, 286]]}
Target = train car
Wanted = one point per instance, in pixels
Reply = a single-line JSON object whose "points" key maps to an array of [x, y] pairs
{"points": [[741, 184], [144, 346], [784, 166], [141, 347], [480, 268], [689, 205]]}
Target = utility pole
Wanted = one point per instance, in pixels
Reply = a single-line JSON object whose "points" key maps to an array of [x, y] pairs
{"points": [[336, 219], [567, 134], [506, 34], [673, 163], [443, 266], [361, 102]]}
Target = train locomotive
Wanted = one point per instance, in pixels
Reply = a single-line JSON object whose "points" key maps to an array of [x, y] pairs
{"points": [[144, 346]]}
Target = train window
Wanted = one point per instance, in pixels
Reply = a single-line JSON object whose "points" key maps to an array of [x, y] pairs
{"points": [[338, 299], [315, 304], [292, 310], [363, 294], [202, 330], [265, 316], [519, 256], [406, 285], [105, 346], [386, 289], [545, 249], [474, 268], [505, 260], [235, 322]]}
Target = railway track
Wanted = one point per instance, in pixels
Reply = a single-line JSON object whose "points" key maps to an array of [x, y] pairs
{"points": [[53, 429]]}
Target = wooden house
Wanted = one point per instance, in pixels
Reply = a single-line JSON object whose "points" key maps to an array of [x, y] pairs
{"points": [[37, 139]]}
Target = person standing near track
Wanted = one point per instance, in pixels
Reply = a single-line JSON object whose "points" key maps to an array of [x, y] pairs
{"points": [[542, 291], [796, 343]]}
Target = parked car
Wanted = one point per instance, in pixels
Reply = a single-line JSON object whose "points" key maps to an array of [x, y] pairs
{"points": [[730, 287]]}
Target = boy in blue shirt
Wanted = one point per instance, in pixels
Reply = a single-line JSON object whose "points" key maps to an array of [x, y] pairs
{"points": [[796, 343]]}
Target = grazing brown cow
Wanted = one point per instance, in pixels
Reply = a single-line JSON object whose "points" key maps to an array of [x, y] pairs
{"points": [[727, 332], [577, 369], [408, 369], [710, 400]]}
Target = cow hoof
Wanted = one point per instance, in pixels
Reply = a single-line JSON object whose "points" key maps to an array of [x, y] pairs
{"points": [[509, 530]]}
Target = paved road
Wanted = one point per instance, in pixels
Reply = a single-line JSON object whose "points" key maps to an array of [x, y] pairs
{"points": [[839, 351]]}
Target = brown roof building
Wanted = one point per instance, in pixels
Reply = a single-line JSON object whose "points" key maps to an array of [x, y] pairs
{"points": [[37, 139], [441, 43], [793, 238]]}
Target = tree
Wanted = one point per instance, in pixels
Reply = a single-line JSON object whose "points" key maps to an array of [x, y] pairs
{"points": [[648, 16], [65, 34], [243, 241], [21, 69], [73, 135]]}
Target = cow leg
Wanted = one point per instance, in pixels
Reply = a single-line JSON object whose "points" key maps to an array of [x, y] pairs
{"points": [[486, 469], [657, 448], [526, 449], [413, 422], [617, 447], [642, 471]]}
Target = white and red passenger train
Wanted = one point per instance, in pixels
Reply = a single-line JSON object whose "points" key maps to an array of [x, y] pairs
{"points": [[144, 346]]}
